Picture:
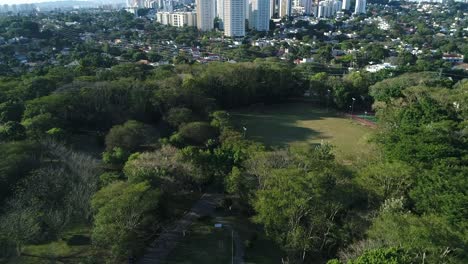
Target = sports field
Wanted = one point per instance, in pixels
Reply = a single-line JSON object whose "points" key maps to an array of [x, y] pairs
{"points": [[299, 123]]}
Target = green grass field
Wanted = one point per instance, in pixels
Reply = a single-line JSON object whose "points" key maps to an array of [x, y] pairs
{"points": [[299, 123]]}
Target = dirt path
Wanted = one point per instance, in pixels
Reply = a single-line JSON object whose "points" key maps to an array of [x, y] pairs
{"points": [[158, 250]]}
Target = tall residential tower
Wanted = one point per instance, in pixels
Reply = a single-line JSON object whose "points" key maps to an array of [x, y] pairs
{"points": [[259, 18], [205, 14], [285, 8], [360, 7], [234, 16]]}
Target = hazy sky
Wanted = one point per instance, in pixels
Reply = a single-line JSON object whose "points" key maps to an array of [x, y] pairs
{"points": [[25, 1]]}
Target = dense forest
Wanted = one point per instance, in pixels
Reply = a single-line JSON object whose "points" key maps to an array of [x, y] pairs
{"points": [[118, 146], [167, 130]]}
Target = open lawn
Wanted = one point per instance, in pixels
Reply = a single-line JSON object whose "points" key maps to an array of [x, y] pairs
{"points": [[298, 123]]}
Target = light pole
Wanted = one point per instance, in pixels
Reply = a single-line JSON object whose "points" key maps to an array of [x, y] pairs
{"points": [[328, 97], [352, 107]]}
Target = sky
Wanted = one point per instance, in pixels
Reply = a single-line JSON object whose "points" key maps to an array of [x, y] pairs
{"points": [[25, 1]]}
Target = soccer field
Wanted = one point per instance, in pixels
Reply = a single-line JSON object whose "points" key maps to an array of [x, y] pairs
{"points": [[299, 123]]}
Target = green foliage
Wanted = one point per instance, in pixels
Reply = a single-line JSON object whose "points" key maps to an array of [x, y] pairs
{"points": [[179, 116], [197, 132], [384, 256], [393, 87], [164, 168], [11, 111], [12, 130], [387, 179], [130, 136], [300, 199], [109, 177], [124, 212], [18, 159], [429, 234], [56, 133], [37, 126], [116, 156], [221, 120]]}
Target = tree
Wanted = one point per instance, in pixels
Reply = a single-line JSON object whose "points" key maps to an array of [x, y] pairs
{"points": [[197, 132], [391, 255], [300, 203], [178, 116], [37, 126], [19, 159], [387, 179], [11, 111], [429, 236], [164, 168], [20, 225], [124, 213], [12, 131], [130, 136]]}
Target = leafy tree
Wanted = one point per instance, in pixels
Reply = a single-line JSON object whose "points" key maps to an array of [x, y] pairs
{"points": [[164, 168], [197, 132], [130, 136], [11, 111], [387, 179], [428, 235], [12, 131], [300, 203], [37, 126], [390, 255], [124, 213], [179, 116], [116, 156]]}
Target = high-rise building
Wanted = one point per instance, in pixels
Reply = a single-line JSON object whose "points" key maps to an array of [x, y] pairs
{"points": [[259, 18], [307, 5], [205, 14], [328, 8], [285, 8], [272, 8], [360, 7], [220, 9], [234, 14], [177, 19], [346, 5], [220, 12]]}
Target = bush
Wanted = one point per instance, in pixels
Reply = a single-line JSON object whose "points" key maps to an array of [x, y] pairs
{"points": [[109, 177], [130, 136], [12, 130], [116, 156], [197, 132], [178, 116]]}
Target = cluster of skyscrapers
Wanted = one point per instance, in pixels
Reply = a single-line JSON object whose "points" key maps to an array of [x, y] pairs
{"points": [[160, 5], [233, 14], [20, 8]]}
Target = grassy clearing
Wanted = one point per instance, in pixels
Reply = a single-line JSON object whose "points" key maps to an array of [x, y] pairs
{"points": [[73, 247], [299, 123]]}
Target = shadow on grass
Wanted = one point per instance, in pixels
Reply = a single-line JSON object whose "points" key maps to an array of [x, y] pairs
{"points": [[277, 125]]}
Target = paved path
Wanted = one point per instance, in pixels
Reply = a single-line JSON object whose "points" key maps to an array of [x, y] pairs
{"points": [[238, 244], [157, 252]]}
